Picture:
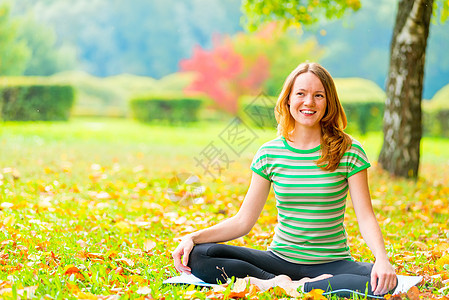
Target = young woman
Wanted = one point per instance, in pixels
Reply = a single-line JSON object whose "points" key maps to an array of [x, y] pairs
{"points": [[312, 165]]}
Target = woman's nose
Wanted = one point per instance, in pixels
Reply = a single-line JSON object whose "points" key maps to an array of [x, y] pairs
{"points": [[309, 100]]}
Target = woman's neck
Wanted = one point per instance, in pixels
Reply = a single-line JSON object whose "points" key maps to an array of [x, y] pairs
{"points": [[306, 139]]}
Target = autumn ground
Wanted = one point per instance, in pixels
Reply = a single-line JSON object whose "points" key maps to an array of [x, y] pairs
{"points": [[85, 209]]}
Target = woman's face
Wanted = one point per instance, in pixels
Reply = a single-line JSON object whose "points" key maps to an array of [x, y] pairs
{"points": [[307, 101]]}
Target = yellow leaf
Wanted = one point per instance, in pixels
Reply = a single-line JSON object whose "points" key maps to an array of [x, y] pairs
{"points": [[137, 279], [444, 260], [86, 296], [123, 226], [440, 249], [73, 288], [315, 294]]}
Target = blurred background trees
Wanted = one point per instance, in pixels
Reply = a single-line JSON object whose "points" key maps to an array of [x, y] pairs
{"points": [[13, 52], [112, 51], [402, 115], [149, 38]]}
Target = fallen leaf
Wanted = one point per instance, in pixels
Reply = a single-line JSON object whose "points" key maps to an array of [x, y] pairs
{"points": [[148, 245], [135, 251], [125, 261], [420, 245], [315, 294], [145, 290], [440, 249], [239, 289], [81, 243], [123, 226], [444, 260], [413, 293], [70, 269], [6, 205]]}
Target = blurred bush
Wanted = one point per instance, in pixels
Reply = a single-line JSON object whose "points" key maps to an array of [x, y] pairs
{"points": [[171, 109], [109, 96], [363, 101], [436, 114], [31, 99]]}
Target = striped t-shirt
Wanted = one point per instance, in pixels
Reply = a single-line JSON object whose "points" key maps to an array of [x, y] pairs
{"points": [[310, 202]]}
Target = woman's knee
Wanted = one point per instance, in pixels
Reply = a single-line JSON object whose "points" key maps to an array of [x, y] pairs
{"points": [[198, 253]]}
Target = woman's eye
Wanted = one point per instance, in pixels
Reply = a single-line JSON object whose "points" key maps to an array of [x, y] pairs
{"points": [[320, 96], [299, 93]]}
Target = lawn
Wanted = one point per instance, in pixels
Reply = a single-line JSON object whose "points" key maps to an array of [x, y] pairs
{"points": [[87, 210]]}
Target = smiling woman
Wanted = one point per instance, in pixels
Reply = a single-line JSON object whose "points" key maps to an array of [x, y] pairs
{"points": [[312, 166]]}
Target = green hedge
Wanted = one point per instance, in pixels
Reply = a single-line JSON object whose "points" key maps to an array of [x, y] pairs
{"points": [[436, 114], [36, 102], [363, 101], [170, 109], [364, 117]]}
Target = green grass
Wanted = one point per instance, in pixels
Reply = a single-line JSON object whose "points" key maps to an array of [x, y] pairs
{"points": [[99, 186]]}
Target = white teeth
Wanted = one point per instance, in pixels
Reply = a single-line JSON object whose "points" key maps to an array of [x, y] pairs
{"points": [[308, 112]]}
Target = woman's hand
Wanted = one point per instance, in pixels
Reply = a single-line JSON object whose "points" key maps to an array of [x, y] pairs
{"points": [[383, 277], [181, 254]]}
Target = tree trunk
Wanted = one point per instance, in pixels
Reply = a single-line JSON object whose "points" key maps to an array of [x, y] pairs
{"points": [[402, 117]]}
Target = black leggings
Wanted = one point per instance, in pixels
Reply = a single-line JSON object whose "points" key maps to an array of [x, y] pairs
{"points": [[217, 262]]}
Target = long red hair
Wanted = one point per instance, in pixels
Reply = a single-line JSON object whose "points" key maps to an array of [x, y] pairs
{"points": [[334, 141]]}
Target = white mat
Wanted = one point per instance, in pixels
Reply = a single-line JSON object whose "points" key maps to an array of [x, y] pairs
{"points": [[187, 279], [404, 282]]}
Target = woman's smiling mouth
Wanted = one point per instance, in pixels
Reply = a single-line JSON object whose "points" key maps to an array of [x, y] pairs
{"points": [[307, 112]]}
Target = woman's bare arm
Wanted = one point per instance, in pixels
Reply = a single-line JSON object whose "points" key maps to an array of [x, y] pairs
{"points": [[232, 228], [383, 277]]}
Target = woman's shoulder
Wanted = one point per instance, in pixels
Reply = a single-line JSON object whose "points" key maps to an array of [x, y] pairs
{"points": [[356, 147], [355, 142]]}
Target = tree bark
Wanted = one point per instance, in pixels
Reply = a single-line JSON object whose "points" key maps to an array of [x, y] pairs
{"points": [[402, 118]]}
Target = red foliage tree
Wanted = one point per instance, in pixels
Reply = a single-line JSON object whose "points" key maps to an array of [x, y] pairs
{"points": [[224, 75]]}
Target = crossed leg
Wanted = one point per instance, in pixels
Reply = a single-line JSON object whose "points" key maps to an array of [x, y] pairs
{"points": [[218, 262]]}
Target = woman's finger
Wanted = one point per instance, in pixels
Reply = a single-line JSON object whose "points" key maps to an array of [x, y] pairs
{"points": [[380, 285]]}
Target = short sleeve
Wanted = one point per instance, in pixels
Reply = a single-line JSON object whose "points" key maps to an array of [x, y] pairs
{"points": [[357, 160], [260, 163]]}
